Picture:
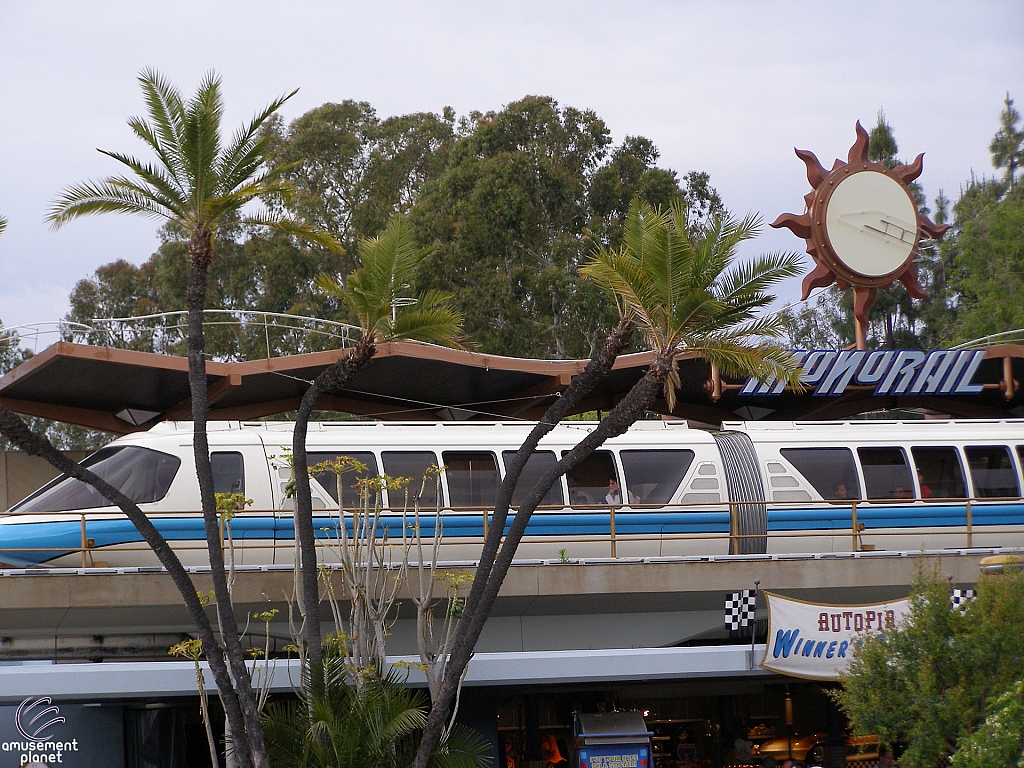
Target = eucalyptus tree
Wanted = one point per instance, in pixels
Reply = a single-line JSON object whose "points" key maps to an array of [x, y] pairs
{"points": [[199, 181], [374, 294], [677, 282]]}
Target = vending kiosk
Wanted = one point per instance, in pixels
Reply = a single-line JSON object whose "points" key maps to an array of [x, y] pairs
{"points": [[611, 740]]}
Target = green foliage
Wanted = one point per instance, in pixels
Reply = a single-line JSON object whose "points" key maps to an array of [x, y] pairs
{"points": [[928, 682], [999, 742], [352, 171], [680, 283], [988, 254], [377, 724], [511, 212], [1007, 145], [377, 292]]}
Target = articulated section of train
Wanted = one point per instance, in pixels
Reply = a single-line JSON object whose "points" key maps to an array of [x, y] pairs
{"points": [[660, 490]]}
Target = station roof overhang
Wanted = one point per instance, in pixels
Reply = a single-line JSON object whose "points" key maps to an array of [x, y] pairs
{"points": [[124, 391]]}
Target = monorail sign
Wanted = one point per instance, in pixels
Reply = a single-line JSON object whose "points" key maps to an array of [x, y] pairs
{"points": [[890, 372]]}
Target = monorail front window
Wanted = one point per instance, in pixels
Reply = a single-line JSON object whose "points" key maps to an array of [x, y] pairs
{"points": [[652, 477], [940, 473], [472, 478], [538, 463], [831, 471], [886, 474], [594, 481], [141, 474], [414, 465], [992, 472], [329, 481]]}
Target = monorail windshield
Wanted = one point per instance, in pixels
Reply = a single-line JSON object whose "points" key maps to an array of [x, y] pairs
{"points": [[141, 474]]}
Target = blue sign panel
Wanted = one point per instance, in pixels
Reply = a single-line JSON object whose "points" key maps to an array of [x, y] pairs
{"points": [[615, 756]]}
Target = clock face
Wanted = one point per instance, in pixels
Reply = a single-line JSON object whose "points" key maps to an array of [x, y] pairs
{"points": [[871, 224]]}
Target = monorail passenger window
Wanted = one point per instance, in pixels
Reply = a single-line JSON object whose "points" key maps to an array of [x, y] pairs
{"points": [[329, 481], [141, 474], [594, 481], [472, 478], [886, 474], [992, 472], [652, 477], [538, 463], [228, 472], [940, 473], [831, 471], [414, 465]]}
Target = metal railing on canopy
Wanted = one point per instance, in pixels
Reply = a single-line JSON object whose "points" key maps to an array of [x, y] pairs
{"points": [[256, 332]]}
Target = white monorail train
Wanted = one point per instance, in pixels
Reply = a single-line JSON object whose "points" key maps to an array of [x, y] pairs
{"points": [[661, 489]]}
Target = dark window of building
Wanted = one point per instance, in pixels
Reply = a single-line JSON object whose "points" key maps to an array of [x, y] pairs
{"points": [[414, 465], [228, 472], [538, 463], [886, 474], [992, 472], [141, 474], [472, 478], [830, 471], [594, 481], [329, 480], [939, 473], [652, 477]]}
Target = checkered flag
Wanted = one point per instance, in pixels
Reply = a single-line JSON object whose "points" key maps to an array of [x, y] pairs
{"points": [[740, 608], [960, 598]]}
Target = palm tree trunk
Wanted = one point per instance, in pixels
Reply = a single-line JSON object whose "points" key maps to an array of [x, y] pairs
{"points": [[250, 750], [332, 379], [14, 429], [490, 572]]}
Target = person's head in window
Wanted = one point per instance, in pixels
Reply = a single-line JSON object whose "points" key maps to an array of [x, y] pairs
{"points": [[840, 491], [926, 492], [614, 494]]}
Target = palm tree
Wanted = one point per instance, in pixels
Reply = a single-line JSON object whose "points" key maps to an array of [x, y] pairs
{"points": [[374, 294], [678, 284], [376, 724], [199, 183], [3, 223]]}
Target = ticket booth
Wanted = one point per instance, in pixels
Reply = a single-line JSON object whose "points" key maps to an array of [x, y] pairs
{"points": [[611, 740]]}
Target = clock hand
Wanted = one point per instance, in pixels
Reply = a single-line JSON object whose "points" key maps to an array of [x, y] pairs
{"points": [[882, 224], [895, 231]]}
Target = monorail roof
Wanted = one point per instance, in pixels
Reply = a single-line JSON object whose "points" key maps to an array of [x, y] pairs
{"points": [[124, 391]]}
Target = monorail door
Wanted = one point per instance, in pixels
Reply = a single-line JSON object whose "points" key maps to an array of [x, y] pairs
{"points": [[748, 516]]}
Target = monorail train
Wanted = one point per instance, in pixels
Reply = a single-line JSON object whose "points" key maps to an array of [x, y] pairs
{"points": [[662, 489]]}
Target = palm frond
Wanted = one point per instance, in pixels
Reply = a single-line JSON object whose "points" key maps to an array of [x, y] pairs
{"points": [[3, 223], [105, 197], [164, 187], [295, 228], [246, 150], [167, 113], [437, 325], [679, 283]]}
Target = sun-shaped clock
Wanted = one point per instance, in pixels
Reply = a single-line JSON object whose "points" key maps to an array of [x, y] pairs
{"points": [[862, 227]]}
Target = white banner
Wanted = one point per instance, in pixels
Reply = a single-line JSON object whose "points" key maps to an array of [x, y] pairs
{"points": [[814, 641]]}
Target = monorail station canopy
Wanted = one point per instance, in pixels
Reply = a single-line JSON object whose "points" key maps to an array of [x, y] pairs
{"points": [[123, 391]]}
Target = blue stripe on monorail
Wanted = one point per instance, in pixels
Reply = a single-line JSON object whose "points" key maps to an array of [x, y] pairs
{"points": [[61, 538]]}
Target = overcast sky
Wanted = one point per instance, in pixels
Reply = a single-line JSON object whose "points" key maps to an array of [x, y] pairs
{"points": [[725, 87]]}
